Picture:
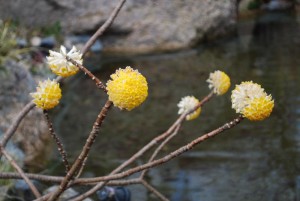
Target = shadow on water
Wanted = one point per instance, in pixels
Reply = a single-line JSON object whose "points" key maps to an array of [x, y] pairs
{"points": [[255, 161]]}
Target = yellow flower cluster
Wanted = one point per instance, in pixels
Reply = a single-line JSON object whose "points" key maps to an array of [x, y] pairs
{"points": [[60, 66], [251, 100], [127, 88], [47, 95], [219, 82], [186, 104]]}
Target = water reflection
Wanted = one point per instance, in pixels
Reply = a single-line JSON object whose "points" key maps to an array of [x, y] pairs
{"points": [[254, 161]]}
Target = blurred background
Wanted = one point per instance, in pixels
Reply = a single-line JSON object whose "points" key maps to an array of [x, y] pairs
{"points": [[175, 45]]}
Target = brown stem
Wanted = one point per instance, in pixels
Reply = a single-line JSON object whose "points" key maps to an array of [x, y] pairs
{"points": [[39, 177], [168, 157], [20, 171], [81, 168], [58, 179], [157, 150], [89, 142], [154, 191], [99, 84], [60, 146], [136, 169], [13, 127], [103, 28], [153, 142]]}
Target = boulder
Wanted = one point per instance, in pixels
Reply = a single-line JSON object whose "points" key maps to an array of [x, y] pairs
{"points": [[142, 25], [32, 135]]}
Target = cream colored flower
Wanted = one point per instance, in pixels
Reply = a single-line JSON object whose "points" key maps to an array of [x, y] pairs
{"points": [[58, 63], [252, 101], [47, 95], [219, 82], [186, 104]]}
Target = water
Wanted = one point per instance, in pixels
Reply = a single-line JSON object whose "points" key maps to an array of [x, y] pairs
{"points": [[255, 161]]}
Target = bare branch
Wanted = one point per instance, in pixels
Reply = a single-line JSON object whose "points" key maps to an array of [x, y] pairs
{"points": [[145, 148], [157, 150], [60, 146], [20, 171], [85, 150], [154, 191], [103, 28], [13, 127], [99, 84], [168, 157]]}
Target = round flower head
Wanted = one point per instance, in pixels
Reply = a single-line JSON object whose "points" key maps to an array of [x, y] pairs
{"points": [[58, 63], [47, 95], [252, 101], [127, 88], [186, 104], [219, 82]]}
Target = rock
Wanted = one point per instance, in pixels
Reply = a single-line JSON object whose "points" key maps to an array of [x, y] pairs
{"points": [[22, 191], [142, 25], [32, 135], [35, 41], [69, 193], [274, 5], [80, 40], [114, 194], [48, 42], [21, 42]]}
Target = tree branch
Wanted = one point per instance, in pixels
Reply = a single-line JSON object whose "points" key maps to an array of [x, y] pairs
{"points": [[60, 146], [20, 171], [13, 127], [153, 142], [103, 28], [99, 84], [85, 150]]}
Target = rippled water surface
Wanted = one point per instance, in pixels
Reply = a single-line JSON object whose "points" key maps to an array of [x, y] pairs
{"points": [[255, 161]]}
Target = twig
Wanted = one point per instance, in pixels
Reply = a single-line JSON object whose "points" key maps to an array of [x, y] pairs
{"points": [[157, 150], [145, 148], [20, 171], [89, 142], [13, 127], [144, 172], [103, 28], [39, 177], [168, 157], [58, 179], [99, 84], [60, 146], [131, 171], [81, 168], [154, 191]]}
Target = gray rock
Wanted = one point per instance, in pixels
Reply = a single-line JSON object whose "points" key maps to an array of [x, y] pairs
{"points": [[277, 5], [22, 191], [69, 193], [32, 135], [142, 25], [80, 40]]}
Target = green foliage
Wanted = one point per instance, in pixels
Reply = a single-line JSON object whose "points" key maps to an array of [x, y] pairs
{"points": [[7, 39], [255, 4], [5, 167], [52, 30]]}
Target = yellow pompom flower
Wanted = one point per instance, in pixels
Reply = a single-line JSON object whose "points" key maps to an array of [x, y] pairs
{"points": [[251, 100], [47, 95], [219, 82], [127, 88], [186, 104], [58, 63]]}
